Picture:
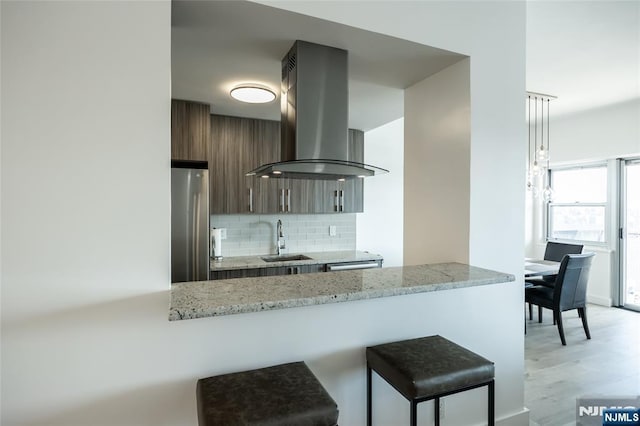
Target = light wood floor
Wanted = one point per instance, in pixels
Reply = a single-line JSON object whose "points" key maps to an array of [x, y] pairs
{"points": [[555, 375]]}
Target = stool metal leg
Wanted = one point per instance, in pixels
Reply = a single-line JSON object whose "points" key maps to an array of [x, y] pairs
{"points": [[492, 407], [368, 395], [413, 417], [436, 410]]}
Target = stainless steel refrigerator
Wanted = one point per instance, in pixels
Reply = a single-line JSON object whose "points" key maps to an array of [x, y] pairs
{"points": [[189, 221]]}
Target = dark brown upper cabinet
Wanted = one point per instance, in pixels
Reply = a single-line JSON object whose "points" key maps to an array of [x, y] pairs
{"points": [[190, 130], [235, 145], [239, 145], [321, 196]]}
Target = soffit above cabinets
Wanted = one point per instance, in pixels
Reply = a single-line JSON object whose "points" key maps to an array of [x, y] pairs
{"points": [[216, 45]]}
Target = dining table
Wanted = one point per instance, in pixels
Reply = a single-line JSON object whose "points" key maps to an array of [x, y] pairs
{"points": [[540, 267]]}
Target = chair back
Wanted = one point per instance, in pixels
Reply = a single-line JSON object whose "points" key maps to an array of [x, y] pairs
{"points": [[556, 251], [570, 290]]}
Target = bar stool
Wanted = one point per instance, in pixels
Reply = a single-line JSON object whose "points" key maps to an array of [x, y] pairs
{"points": [[429, 368], [286, 394]]}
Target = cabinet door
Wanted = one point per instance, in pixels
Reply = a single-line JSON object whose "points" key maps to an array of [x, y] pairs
{"points": [[342, 197], [352, 199], [278, 270], [298, 269], [285, 195], [239, 145], [266, 143], [234, 273], [261, 195], [230, 153], [327, 196], [302, 196], [308, 269], [190, 130], [280, 193], [295, 195]]}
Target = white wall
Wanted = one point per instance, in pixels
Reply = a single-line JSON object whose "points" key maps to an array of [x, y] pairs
{"points": [[85, 214], [611, 131], [85, 143], [379, 229], [1, 222], [437, 167]]}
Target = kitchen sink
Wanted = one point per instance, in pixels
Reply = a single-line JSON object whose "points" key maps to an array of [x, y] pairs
{"points": [[285, 258]]}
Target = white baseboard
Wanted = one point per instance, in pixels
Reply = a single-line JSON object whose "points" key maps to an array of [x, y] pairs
{"points": [[520, 418], [599, 300]]}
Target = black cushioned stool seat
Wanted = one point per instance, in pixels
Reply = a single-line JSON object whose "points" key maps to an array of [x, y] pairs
{"points": [[286, 394], [429, 368]]}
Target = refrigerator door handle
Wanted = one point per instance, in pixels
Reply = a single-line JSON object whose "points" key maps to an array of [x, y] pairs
{"points": [[195, 259]]}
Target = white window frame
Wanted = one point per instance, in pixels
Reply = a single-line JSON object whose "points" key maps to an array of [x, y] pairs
{"points": [[605, 204]]}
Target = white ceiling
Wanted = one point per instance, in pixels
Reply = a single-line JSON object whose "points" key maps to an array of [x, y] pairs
{"points": [[216, 45], [587, 53]]}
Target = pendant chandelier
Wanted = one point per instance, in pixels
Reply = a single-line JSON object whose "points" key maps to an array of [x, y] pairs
{"points": [[539, 142]]}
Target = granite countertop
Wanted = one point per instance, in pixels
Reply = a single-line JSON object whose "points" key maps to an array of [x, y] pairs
{"points": [[251, 262], [201, 299]]}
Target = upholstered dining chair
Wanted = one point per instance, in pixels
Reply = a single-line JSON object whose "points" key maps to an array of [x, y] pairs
{"points": [[569, 292], [555, 252]]}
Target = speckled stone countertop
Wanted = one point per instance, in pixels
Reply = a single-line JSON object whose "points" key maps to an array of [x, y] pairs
{"points": [[250, 262], [224, 297]]}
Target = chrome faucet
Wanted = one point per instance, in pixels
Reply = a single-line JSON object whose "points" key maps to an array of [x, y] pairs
{"points": [[279, 238]]}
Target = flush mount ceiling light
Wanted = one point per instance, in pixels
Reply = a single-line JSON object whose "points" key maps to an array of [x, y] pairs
{"points": [[252, 94]]}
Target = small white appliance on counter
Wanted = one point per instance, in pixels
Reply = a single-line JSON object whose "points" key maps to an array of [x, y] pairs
{"points": [[216, 243]]}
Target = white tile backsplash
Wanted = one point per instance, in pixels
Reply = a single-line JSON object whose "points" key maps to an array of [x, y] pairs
{"points": [[249, 235]]}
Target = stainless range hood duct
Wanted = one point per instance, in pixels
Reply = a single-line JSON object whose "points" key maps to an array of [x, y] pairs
{"points": [[314, 120]]}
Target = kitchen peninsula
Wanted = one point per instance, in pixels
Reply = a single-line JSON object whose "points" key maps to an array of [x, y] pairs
{"points": [[223, 297]]}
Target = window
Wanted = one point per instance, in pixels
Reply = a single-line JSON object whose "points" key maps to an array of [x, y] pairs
{"points": [[578, 209]]}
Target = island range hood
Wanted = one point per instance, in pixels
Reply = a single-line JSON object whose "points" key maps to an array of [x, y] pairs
{"points": [[314, 117]]}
